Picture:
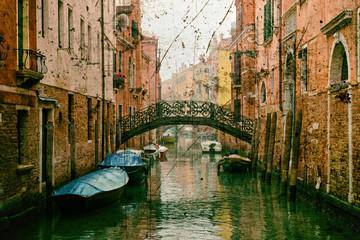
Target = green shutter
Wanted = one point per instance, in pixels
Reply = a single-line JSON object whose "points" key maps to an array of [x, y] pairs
{"points": [[134, 29]]}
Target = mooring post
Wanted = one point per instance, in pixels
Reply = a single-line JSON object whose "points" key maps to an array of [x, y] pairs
{"points": [[49, 165], [256, 148], [97, 134], [112, 147], [271, 147], [251, 154], [107, 144], [295, 155], [266, 147], [286, 156]]}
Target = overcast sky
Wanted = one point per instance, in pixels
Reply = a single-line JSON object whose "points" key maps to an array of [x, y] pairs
{"points": [[166, 18]]}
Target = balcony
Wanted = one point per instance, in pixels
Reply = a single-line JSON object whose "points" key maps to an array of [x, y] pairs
{"points": [[31, 68]]}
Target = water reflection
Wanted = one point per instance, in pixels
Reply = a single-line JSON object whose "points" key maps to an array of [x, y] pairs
{"points": [[186, 198]]}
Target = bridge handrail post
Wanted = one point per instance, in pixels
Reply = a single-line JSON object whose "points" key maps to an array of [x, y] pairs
{"points": [[212, 111]]}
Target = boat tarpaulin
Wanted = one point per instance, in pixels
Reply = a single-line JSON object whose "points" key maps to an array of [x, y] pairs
{"points": [[103, 180]]}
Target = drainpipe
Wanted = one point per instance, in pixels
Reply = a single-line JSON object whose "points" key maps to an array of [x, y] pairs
{"points": [[280, 58], [103, 81], [328, 143], [351, 194], [294, 89]]}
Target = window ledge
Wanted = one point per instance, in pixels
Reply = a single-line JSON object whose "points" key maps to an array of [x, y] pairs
{"points": [[23, 169], [341, 20], [337, 86], [268, 41]]}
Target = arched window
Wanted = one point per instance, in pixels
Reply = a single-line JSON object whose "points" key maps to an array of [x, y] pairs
{"points": [[263, 93], [339, 69]]}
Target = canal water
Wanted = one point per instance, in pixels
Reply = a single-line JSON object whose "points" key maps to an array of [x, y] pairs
{"points": [[186, 198]]}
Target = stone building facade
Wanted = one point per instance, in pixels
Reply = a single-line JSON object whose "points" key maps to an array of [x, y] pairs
{"points": [[21, 68], [307, 58]]}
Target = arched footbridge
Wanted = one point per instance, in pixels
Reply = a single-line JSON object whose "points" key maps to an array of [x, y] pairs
{"points": [[186, 112]]}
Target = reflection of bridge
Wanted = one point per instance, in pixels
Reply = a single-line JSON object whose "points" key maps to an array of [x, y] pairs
{"points": [[186, 112]]}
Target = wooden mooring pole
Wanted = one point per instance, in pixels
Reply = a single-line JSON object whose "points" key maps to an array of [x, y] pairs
{"points": [[266, 147], [287, 151], [295, 155], [271, 147], [97, 135], [251, 155], [49, 165], [254, 161]]}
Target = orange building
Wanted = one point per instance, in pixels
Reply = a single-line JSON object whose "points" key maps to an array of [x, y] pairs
{"points": [[308, 59]]}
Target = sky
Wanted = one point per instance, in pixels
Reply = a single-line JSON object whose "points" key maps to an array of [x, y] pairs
{"points": [[165, 19]]}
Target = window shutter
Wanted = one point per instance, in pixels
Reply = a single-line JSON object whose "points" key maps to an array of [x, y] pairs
{"points": [[134, 29]]}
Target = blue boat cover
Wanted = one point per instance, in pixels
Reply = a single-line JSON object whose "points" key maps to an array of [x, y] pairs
{"points": [[103, 180], [122, 159]]}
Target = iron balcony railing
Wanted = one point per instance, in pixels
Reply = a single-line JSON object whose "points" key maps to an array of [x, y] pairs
{"points": [[32, 60], [3, 52]]}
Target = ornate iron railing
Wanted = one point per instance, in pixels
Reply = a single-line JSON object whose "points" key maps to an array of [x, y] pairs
{"points": [[191, 109], [3, 52], [32, 60]]}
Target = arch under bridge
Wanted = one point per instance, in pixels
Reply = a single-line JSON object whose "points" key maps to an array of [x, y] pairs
{"points": [[186, 112]]}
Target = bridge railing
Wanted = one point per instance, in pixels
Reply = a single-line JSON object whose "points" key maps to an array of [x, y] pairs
{"points": [[172, 109]]}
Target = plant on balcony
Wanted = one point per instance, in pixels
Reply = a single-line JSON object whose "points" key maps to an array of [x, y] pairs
{"points": [[139, 89], [120, 80], [144, 92]]}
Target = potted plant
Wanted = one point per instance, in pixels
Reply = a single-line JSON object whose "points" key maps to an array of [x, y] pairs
{"points": [[120, 80]]}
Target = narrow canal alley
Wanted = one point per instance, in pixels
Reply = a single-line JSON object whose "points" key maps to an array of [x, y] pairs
{"points": [[186, 198]]}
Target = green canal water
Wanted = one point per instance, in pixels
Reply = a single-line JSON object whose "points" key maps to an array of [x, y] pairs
{"points": [[186, 198]]}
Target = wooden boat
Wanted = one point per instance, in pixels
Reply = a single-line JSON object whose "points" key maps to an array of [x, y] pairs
{"points": [[234, 163], [130, 162], [151, 152], [93, 190], [211, 147], [162, 150]]}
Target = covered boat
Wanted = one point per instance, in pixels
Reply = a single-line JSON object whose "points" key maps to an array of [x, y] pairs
{"points": [[130, 161], [234, 163], [95, 189], [211, 146], [162, 150]]}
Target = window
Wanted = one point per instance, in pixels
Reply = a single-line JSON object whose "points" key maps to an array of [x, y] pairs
{"points": [[304, 83], [22, 117], [120, 111], [268, 19], [134, 29], [120, 62], [263, 93], [89, 106], [114, 62], [98, 47], [130, 77], [272, 83], [134, 75], [44, 17], [82, 39], [60, 24], [89, 44], [70, 27], [108, 59]]}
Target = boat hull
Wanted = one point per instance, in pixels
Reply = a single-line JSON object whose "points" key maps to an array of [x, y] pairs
{"points": [[234, 164], [75, 203]]}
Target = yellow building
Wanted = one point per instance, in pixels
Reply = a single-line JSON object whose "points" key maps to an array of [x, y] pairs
{"points": [[224, 81]]}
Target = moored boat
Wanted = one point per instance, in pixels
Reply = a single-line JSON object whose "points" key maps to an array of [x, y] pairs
{"points": [[234, 163], [211, 146], [93, 190], [162, 150], [151, 151], [128, 160]]}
